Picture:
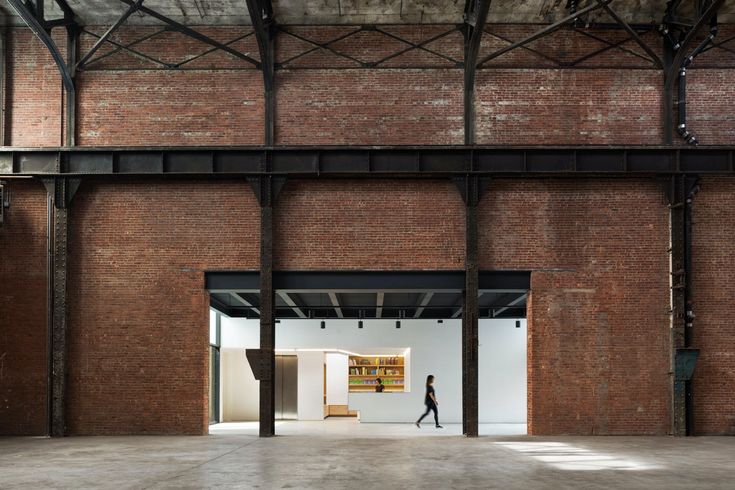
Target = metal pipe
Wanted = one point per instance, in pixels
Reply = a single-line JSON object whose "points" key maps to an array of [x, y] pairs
{"points": [[682, 126]]}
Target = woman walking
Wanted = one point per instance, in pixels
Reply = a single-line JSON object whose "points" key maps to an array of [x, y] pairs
{"points": [[430, 402]]}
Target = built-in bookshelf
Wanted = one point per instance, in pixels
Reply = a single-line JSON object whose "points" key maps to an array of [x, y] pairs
{"points": [[364, 370]]}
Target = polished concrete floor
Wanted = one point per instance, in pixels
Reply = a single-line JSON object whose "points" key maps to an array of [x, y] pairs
{"points": [[310, 455]]}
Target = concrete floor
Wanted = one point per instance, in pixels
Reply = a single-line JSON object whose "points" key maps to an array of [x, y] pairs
{"points": [[327, 457]]}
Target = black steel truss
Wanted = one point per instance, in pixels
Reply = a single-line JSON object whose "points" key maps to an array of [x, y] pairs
{"points": [[572, 21], [35, 22], [367, 162]]}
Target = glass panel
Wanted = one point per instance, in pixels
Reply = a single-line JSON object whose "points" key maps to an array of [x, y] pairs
{"points": [[212, 386], [212, 327]]}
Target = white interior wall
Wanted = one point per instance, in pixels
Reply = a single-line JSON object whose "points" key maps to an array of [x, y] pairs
{"points": [[240, 390], [310, 385], [435, 349], [337, 378], [502, 372]]}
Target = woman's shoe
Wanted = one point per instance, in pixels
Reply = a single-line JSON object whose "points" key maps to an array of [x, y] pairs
{"points": [[418, 425], [437, 426]]}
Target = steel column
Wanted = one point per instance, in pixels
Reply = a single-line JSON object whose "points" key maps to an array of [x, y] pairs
{"points": [[261, 16], [470, 313], [267, 312], [475, 16], [667, 102], [70, 107], [683, 357], [62, 190], [3, 86]]}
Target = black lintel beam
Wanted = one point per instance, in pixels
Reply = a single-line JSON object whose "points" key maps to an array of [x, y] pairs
{"points": [[368, 162]]}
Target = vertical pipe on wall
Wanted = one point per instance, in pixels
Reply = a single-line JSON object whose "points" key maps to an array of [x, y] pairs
{"points": [[683, 357], [3, 85]]}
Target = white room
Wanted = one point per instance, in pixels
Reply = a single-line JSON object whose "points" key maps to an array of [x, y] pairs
{"points": [[329, 352]]}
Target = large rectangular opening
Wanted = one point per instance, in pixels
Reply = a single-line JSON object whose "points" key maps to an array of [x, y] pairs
{"points": [[345, 330]]}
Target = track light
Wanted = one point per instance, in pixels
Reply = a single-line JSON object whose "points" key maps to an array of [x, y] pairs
{"points": [[323, 324], [518, 324]]}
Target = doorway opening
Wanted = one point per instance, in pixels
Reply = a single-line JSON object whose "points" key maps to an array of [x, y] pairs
{"points": [[346, 330]]}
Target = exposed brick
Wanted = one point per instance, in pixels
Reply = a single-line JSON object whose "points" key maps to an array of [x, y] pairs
{"points": [[598, 326], [23, 361], [378, 225], [138, 323], [713, 290]]}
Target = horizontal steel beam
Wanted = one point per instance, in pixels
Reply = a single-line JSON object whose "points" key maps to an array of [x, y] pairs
{"points": [[366, 281], [357, 162]]}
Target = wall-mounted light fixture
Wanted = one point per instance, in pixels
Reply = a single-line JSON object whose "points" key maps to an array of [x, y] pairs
{"points": [[440, 321], [518, 324], [323, 324]]}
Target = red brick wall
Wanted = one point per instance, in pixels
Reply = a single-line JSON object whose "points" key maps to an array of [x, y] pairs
{"points": [[23, 311], [378, 225], [598, 329], [522, 98], [713, 290], [34, 91], [369, 107], [138, 323], [162, 108], [711, 106], [566, 107]]}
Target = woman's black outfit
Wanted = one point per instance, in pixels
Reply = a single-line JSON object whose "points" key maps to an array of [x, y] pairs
{"points": [[430, 405]]}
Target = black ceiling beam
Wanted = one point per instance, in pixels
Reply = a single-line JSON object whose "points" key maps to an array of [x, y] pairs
{"points": [[264, 26], [177, 26], [38, 29], [475, 17], [368, 162]]}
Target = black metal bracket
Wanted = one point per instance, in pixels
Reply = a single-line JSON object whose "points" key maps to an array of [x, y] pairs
{"points": [[262, 193], [63, 190], [259, 363]]}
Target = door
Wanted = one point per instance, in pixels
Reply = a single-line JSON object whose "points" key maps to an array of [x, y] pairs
{"points": [[286, 387]]}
